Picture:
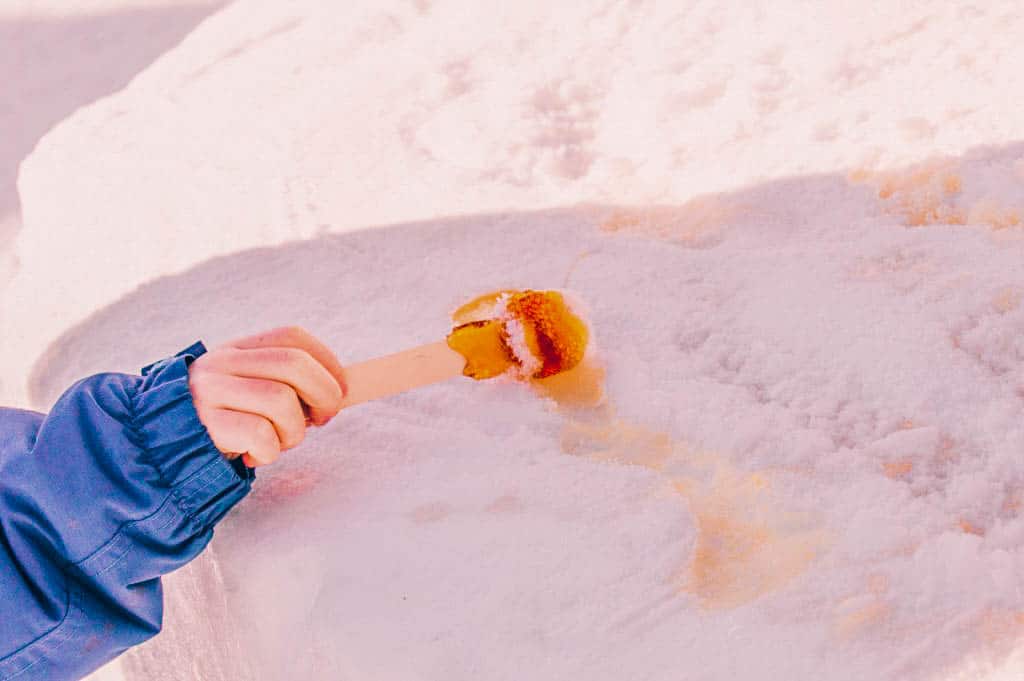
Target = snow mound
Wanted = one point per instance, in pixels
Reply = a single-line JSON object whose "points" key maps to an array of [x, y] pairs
{"points": [[799, 237], [810, 443]]}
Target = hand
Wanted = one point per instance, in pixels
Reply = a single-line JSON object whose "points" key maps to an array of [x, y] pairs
{"points": [[256, 395]]}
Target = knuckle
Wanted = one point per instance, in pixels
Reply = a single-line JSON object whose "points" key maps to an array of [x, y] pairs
{"points": [[272, 392], [328, 404], [272, 356], [291, 359], [286, 356], [265, 433], [284, 397]]}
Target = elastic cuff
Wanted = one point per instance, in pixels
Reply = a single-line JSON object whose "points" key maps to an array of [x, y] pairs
{"points": [[189, 354], [177, 443]]}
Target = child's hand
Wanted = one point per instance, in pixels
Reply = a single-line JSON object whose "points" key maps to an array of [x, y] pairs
{"points": [[256, 395]]}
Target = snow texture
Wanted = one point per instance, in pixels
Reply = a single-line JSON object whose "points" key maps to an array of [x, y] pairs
{"points": [[798, 232]]}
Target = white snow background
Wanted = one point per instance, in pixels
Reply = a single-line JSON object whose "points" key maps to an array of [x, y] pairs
{"points": [[798, 230]]}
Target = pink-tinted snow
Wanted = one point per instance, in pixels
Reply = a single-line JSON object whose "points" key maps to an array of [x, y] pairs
{"points": [[798, 231]]}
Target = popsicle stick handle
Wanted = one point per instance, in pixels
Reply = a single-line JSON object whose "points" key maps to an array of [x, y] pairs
{"points": [[393, 374]]}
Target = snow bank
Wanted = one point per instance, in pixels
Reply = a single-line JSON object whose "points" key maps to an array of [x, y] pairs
{"points": [[55, 57], [809, 461], [800, 239]]}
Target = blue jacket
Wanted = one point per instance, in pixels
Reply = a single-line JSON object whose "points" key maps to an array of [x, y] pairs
{"points": [[118, 485]]}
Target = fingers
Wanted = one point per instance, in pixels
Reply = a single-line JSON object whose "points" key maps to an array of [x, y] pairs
{"points": [[315, 386], [296, 337], [235, 432], [252, 394], [273, 401]]}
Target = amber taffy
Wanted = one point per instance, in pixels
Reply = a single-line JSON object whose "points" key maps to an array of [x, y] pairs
{"points": [[522, 334]]}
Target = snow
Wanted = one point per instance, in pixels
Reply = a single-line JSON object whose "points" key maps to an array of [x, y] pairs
{"points": [[798, 234], [55, 57]]}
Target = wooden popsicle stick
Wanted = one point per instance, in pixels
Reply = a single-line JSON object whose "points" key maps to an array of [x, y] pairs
{"points": [[393, 374]]}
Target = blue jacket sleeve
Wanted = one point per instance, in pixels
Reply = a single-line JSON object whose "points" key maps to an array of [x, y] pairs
{"points": [[118, 485]]}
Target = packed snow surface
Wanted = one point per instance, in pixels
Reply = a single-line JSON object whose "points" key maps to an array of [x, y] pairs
{"points": [[795, 451]]}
